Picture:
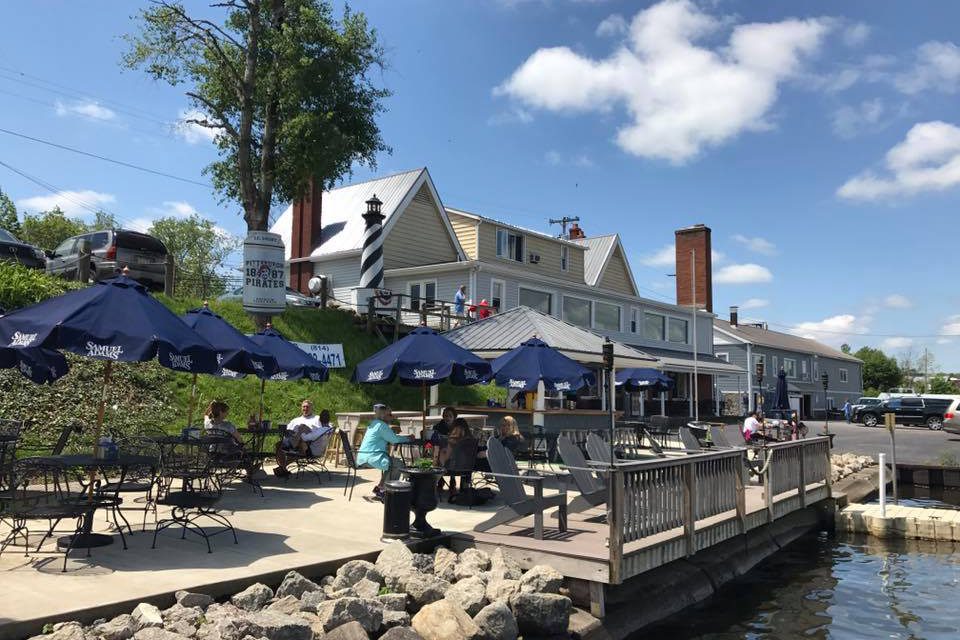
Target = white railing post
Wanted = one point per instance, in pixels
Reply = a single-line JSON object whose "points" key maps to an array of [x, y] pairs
{"points": [[883, 485]]}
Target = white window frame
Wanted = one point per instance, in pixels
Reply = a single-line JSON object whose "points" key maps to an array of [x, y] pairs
{"points": [[593, 316], [503, 293], [423, 289], [635, 315], [723, 355], [590, 305], [803, 369], [663, 317], [776, 370], [552, 294], [667, 330], [564, 257], [507, 255], [793, 361], [844, 375]]}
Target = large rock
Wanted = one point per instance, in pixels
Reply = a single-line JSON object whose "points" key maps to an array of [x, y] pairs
{"points": [[368, 612], [223, 622], [253, 597], [470, 594], [424, 589], [351, 631], [501, 590], [156, 633], [182, 620], [366, 588], [64, 631], [584, 625], [147, 615], [190, 599], [423, 562], [541, 614], [311, 600], [395, 559], [497, 622], [541, 579], [120, 628], [295, 585], [278, 626], [445, 564], [287, 605], [444, 620], [503, 567], [354, 571], [393, 619], [401, 633], [471, 562], [393, 601]]}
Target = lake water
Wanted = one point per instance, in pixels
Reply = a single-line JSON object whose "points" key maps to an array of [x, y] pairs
{"points": [[833, 586]]}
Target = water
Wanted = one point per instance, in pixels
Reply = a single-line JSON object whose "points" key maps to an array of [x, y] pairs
{"points": [[930, 497], [839, 587]]}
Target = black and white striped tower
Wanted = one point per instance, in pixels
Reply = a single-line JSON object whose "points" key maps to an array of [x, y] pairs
{"points": [[371, 264]]}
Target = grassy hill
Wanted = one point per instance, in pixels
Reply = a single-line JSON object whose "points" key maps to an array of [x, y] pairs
{"points": [[147, 396]]}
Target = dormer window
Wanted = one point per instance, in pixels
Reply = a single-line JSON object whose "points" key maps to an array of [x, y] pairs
{"points": [[509, 245]]}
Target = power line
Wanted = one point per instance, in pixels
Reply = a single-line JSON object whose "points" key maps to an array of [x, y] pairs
{"points": [[106, 159]]}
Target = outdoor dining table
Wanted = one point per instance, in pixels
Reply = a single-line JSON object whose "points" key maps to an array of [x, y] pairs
{"points": [[89, 462]]}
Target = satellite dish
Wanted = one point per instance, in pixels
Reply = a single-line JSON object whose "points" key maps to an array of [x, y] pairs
{"points": [[315, 285]]}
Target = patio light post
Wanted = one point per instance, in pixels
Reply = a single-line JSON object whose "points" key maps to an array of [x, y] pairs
{"points": [[760, 386], [825, 380], [608, 374]]}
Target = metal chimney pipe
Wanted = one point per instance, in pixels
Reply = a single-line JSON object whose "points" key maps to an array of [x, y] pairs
{"points": [[734, 315]]}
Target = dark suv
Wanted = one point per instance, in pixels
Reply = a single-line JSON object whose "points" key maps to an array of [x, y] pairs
{"points": [[17, 250], [908, 411], [110, 251]]}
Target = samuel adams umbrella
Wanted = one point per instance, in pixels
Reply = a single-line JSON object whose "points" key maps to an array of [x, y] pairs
{"points": [[781, 399], [291, 362], [523, 368], [644, 378], [237, 355], [39, 365], [422, 358]]}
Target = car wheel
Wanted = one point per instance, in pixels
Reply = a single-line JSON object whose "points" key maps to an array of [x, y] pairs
{"points": [[934, 423], [870, 420]]}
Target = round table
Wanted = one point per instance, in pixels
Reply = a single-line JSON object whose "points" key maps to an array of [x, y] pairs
{"points": [[89, 462]]}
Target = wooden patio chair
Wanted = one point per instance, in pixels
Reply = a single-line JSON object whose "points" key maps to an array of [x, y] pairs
{"points": [[593, 492], [517, 503], [690, 442], [598, 449]]}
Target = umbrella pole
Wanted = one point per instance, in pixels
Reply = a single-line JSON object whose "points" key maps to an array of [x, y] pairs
{"points": [[423, 412], [263, 383], [107, 370], [193, 401]]}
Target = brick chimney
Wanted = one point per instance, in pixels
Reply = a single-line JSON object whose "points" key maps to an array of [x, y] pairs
{"points": [[305, 236], [695, 238], [576, 232]]}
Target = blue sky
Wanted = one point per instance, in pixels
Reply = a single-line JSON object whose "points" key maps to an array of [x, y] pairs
{"points": [[819, 140]]}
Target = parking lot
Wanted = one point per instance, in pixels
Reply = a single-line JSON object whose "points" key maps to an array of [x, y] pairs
{"points": [[914, 444]]}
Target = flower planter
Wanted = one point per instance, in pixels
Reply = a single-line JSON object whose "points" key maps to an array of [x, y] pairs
{"points": [[423, 498]]}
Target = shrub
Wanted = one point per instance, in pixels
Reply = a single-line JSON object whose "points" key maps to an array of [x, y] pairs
{"points": [[20, 287]]}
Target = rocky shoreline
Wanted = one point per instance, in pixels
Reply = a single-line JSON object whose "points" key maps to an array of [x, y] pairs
{"points": [[403, 596], [845, 464]]}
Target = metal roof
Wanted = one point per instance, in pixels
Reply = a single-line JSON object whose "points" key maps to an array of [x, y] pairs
{"points": [[779, 340], [343, 207], [675, 360], [599, 249], [502, 332]]}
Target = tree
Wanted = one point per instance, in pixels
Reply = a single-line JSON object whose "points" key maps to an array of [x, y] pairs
{"points": [[283, 85], [942, 384], [8, 215], [103, 220], [845, 348], [880, 371], [198, 247], [49, 228]]}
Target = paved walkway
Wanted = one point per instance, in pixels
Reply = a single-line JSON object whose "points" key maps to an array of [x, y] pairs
{"points": [[916, 445]]}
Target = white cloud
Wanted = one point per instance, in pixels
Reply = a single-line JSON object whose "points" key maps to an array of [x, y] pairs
{"points": [[896, 343], [850, 121], [175, 209], [513, 115], [71, 202], [937, 66], [897, 301], [856, 34], [757, 244], [612, 26], [191, 132], [665, 257], [748, 273], [85, 108], [944, 341], [834, 330], [753, 303], [951, 327], [141, 224], [557, 159], [682, 96], [928, 159]]}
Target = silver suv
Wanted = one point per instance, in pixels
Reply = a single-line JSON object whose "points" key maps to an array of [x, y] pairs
{"points": [[110, 252]]}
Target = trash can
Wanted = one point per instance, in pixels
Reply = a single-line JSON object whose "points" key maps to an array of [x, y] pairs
{"points": [[396, 510]]}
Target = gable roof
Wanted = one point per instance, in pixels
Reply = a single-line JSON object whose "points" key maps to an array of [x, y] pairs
{"points": [[510, 225], [502, 332], [342, 210], [778, 340], [600, 251]]}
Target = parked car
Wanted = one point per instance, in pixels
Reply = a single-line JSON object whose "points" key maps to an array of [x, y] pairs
{"points": [[294, 297], [110, 251], [916, 410], [951, 417], [861, 404], [14, 249]]}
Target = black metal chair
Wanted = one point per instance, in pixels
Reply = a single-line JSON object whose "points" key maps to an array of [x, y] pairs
{"points": [[462, 463], [309, 462], [350, 459], [9, 437], [138, 479], [39, 490]]}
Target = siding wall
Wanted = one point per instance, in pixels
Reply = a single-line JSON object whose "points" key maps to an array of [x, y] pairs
{"points": [[466, 230], [548, 250], [616, 277], [344, 274], [419, 235]]}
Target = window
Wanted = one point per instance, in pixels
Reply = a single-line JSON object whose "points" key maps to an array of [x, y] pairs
{"points": [[422, 292], [803, 369], [606, 316], [790, 367], [496, 295], [99, 240], [539, 300], [722, 356], [509, 245], [634, 320], [65, 248], [678, 330], [653, 326], [775, 371], [909, 403], [843, 375], [564, 257], [576, 311]]}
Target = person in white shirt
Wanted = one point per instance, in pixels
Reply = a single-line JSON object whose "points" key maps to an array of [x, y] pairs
{"points": [[306, 434], [753, 429]]}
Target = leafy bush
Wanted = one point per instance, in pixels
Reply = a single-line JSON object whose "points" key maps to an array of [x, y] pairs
{"points": [[20, 287]]}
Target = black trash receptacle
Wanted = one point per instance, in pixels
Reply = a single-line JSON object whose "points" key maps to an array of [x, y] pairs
{"points": [[396, 510]]}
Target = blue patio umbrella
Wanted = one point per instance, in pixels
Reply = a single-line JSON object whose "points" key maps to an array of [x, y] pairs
{"points": [[643, 378], [292, 362], [781, 399], [39, 365], [237, 355], [422, 358], [534, 361]]}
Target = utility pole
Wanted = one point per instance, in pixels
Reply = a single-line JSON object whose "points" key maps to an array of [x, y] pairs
{"points": [[563, 222]]}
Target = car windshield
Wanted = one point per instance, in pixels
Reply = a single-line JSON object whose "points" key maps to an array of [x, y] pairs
{"points": [[6, 236], [140, 242]]}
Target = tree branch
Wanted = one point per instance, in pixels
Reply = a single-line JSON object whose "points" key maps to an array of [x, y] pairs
{"points": [[226, 125]]}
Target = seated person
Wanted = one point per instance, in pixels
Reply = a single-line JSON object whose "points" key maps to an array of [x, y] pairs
{"points": [[459, 434], [215, 419], [753, 430], [306, 434], [509, 435], [375, 448], [438, 437], [798, 429]]}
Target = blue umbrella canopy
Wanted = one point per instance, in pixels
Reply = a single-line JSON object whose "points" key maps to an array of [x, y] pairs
{"points": [[422, 357], [644, 378], [115, 320], [236, 353], [292, 362], [781, 399], [525, 366], [38, 365]]}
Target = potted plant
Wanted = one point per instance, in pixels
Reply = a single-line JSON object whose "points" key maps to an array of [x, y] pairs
{"points": [[423, 496]]}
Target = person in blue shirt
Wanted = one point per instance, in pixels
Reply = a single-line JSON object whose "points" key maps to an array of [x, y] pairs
{"points": [[459, 302], [374, 449], [847, 410]]}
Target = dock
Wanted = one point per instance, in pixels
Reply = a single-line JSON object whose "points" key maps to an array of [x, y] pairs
{"points": [[920, 523]]}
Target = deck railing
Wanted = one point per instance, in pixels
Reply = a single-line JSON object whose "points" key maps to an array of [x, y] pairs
{"points": [[653, 497]]}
